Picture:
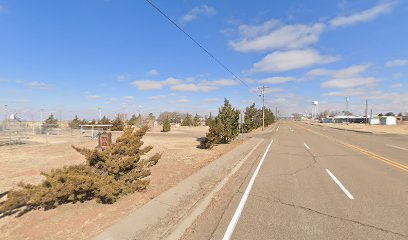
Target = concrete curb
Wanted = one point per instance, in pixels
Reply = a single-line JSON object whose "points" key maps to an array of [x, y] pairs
{"points": [[156, 218]]}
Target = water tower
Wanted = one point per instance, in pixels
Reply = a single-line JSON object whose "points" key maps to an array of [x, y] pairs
{"points": [[315, 109]]}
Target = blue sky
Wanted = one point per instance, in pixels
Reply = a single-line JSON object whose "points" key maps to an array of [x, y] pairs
{"points": [[73, 57]]}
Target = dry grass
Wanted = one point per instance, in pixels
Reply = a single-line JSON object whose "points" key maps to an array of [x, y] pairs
{"points": [[180, 159]]}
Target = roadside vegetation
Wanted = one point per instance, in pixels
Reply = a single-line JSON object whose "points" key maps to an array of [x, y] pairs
{"points": [[225, 127], [166, 125], [106, 176]]}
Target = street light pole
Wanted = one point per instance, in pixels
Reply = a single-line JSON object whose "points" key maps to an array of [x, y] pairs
{"points": [[263, 105]]}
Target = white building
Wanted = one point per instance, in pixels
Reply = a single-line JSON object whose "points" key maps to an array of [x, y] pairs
{"points": [[375, 121], [388, 120]]}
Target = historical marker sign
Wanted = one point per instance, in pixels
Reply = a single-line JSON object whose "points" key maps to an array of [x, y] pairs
{"points": [[105, 140]]}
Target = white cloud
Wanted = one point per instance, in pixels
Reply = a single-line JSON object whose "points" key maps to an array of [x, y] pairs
{"points": [[349, 92], [191, 87], [37, 85], [277, 80], [281, 61], [157, 97], [211, 100], [121, 77], [397, 63], [220, 82], [155, 85], [128, 98], [251, 31], [152, 73], [267, 90], [147, 84], [171, 81], [182, 100], [268, 37], [197, 11], [364, 16], [278, 100], [341, 73], [93, 97], [397, 85], [21, 100], [350, 82], [187, 84], [396, 75], [204, 85]]}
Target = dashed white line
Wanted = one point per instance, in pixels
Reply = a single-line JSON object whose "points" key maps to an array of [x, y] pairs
{"points": [[400, 148], [339, 184], [237, 214], [277, 129], [307, 147]]}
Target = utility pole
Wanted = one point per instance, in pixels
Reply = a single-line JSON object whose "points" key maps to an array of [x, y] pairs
{"points": [[263, 105], [100, 113], [242, 123], [347, 109], [276, 113], [5, 116], [42, 113], [366, 111]]}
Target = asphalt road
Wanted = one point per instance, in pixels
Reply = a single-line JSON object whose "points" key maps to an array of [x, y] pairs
{"points": [[320, 183]]}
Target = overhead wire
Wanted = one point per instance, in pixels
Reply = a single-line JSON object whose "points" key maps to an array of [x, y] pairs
{"points": [[199, 45]]}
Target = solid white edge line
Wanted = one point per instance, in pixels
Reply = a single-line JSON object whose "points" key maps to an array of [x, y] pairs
{"points": [[339, 184], [241, 205], [400, 148], [308, 148], [182, 226]]}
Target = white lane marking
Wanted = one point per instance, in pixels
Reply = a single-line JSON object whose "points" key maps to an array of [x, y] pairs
{"points": [[307, 147], [277, 129], [339, 184], [400, 148], [182, 226], [241, 205]]}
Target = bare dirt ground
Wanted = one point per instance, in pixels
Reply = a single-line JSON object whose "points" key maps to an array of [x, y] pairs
{"points": [[381, 129], [180, 159]]}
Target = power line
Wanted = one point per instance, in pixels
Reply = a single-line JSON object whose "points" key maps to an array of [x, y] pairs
{"points": [[198, 44]]}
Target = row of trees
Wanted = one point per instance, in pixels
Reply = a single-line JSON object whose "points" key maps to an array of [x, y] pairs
{"points": [[226, 126], [190, 121], [118, 123], [253, 118]]}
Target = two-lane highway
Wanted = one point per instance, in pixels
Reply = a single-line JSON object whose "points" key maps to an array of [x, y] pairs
{"points": [[317, 183]]}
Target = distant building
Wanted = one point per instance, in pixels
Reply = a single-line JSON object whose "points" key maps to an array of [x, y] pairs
{"points": [[388, 120], [344, 119], [375, 121]]}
